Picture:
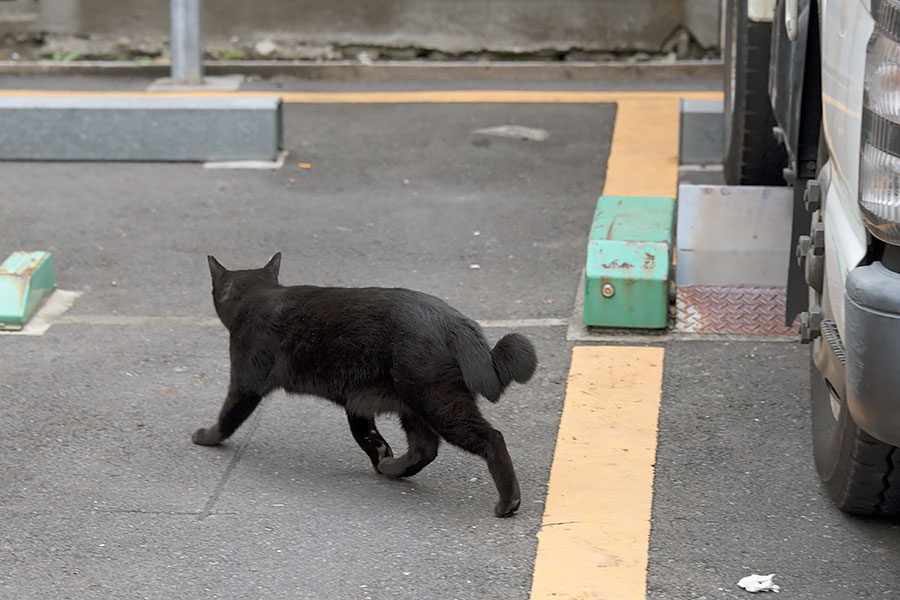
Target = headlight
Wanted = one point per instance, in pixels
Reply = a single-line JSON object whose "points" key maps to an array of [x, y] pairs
{"points": [[879, 166], [883, 76], [879, 192]]}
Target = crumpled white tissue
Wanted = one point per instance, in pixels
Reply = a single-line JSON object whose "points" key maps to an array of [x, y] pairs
{"points": [[759, 583]]}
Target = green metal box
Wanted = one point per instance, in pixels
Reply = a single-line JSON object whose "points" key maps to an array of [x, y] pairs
{"points": [[26, 278], [629, 259]]}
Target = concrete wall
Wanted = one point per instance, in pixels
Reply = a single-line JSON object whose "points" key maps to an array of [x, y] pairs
{"points": [[446, 25]]}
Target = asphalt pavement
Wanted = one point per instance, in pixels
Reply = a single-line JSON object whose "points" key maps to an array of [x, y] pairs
{"points": [[736, 490], [102, 494]]}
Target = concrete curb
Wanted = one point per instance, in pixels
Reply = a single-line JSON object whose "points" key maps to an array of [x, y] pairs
{"points": [[140, 128], [355, 70]]}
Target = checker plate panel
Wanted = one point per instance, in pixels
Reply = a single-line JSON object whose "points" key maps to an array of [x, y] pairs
{"points": [[741, 310]]}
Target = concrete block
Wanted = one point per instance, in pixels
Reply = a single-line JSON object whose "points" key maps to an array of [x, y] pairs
{"points": [[498, 25], [139, 128], [733, 235], [702, 19], [701, 132], [628, 263]]}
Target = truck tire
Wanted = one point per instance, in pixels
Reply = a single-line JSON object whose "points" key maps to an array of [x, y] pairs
{"points": [[752, 156], [859, 473]]}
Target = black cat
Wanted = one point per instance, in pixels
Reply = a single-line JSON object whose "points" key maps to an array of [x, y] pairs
{"points": [[370, 350]]}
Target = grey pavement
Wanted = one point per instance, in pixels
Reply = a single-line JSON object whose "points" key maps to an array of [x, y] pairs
{"points": [[102, 494], [736, 490]]}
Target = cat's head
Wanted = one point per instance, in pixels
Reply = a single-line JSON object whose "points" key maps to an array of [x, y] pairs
{"points": [[228, 287]]}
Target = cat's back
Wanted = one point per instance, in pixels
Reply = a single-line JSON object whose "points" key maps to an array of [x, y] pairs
{"points": [[368, 311]]}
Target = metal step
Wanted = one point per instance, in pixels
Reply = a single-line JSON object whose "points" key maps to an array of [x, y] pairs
{"points": [[737, 310], [729, 235]]}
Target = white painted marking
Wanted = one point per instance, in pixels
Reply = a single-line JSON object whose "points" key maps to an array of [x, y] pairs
{"points": [[514, 323], [532, 134], [138, 320], [260, 165], [213, 322], [53, 308]]}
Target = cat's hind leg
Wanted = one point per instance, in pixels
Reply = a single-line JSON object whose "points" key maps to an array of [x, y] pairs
{"points": [[366, 435], [239, 404], [458, 420], [423, 448]]}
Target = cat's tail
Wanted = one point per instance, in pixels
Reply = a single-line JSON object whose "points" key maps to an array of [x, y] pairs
{"points": [[512, 359]]}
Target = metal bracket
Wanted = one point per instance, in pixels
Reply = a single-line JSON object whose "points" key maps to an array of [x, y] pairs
{"points": [[812, 196], [810, 324]]}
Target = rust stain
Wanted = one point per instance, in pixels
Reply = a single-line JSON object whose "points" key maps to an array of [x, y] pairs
{"points": [[29, 269], [24, 269], [616, 265], [649, 261], [612, 224]]}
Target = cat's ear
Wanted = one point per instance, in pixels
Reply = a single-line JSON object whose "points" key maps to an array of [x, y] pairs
{"points": [[274, 265], [222, 283], [215, 268]]}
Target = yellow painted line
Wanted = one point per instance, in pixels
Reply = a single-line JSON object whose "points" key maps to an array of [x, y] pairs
{"points": [[414, 97], [595, 534], [643, 158]]}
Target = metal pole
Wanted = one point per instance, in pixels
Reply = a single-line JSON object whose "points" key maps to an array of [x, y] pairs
{"points": [[186, 19]]}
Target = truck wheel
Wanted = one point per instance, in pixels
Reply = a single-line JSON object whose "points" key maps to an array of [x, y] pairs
{"points": [[860, 473], [752, 155]]}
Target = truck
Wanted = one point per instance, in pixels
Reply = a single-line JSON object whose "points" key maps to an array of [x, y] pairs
{"points": [[812, 101]]}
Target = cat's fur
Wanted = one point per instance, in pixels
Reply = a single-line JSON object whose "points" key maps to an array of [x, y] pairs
{"points": [[370, 350]]}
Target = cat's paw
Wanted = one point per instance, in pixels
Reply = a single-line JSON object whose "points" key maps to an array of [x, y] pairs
{"points": [[506, 508], [381, 452], [384, 451], [207, 436], [391, 467]]}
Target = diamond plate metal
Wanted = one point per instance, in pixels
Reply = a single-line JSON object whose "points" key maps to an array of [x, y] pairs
{"points": [[740, 310]]}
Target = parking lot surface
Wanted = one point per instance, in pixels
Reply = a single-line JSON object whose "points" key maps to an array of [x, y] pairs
{"points": [[102, 493]]}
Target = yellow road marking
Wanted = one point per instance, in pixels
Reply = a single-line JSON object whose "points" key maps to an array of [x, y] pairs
{"points": [[596, 527], [643, 158], [414, 97]]}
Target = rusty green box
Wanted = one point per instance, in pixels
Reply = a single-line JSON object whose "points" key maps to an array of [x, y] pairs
{"points": [[26, 278], [629, 259]]}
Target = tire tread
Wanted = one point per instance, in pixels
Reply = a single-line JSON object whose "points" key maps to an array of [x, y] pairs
{"points": [[872, 486], [860, 473], [752, 155]]}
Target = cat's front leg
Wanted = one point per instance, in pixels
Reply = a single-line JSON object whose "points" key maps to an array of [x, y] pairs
{"points": [[423, 448], [369, 439], [239, 404]]}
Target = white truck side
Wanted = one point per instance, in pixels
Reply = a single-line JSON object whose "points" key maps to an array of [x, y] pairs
{"points": [[812, 100]]}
